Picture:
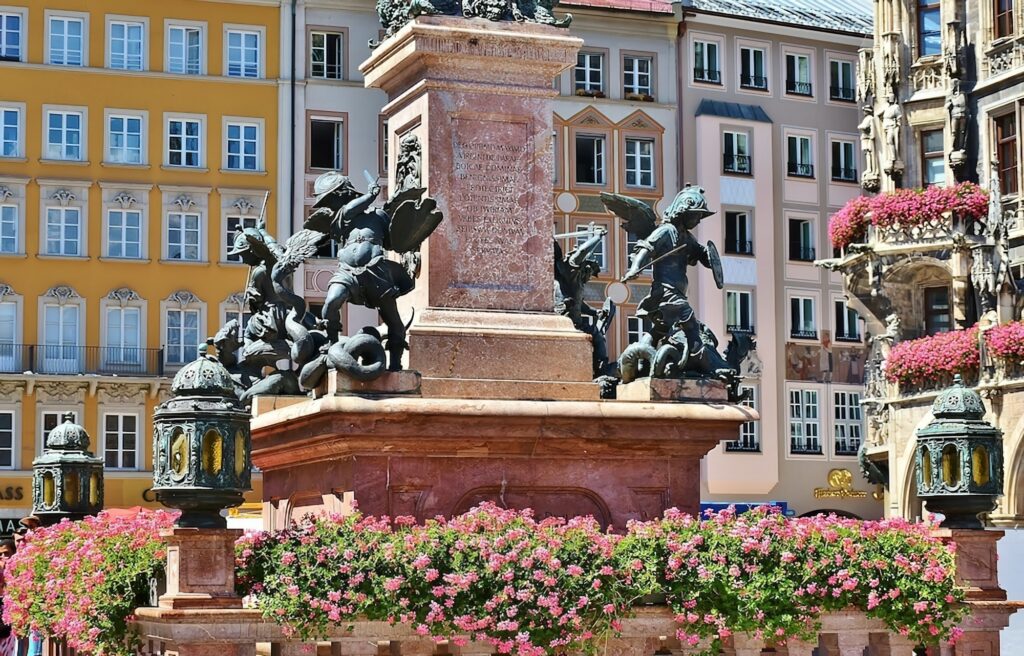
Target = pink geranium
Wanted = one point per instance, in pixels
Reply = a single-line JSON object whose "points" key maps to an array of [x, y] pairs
{"points": [[935, 359]]}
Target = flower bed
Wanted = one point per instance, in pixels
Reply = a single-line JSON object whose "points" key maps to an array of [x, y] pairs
{"points": [[80, 581], [932, 361], [535, 588], [905, 207], [1006, 342]]}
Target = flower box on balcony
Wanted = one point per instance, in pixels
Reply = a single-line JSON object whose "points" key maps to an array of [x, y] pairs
{"points": [[642, 97], [589, 93]]}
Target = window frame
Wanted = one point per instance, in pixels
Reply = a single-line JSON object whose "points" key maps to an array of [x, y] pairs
{"points": [[201, 26], [14, 411], [22, 14], [846, 402], [343, 34], [246, 221], [83, 136], [186, 357], [800, 301], [929, 314], [18, 108], [627, 140], [17, 229], [836, 92], [850, 318], [600, 159], [742, 163], [198, 230], [919, 18], [650, 94], [928, 156], [737, 246], [227, 123], [749, 434], [143, 116], [602, 55], [261, 50], [338, 118], [108, 242], [139, 452], [1003, 21], [749, 83], [790, 88], [841, 171], [808, 401], [63, 210], [203, 136], [1009, 174], [742, 297], [49, 16], [143, 23], [807, 252], [800, 169], [712, 77], [76, 408]]}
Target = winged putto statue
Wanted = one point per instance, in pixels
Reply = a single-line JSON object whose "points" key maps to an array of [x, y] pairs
{"points": [[572, 272], [675, 344], [283, 347]]}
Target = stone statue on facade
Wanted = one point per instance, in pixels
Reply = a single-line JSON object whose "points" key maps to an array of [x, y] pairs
{"points": [[866, 77], [394, 14], [891, 68], [956, 108], [869, 179], [572, 272], [364, 235], [408, 167], [892, 126], [676, 344], [953, 52]]}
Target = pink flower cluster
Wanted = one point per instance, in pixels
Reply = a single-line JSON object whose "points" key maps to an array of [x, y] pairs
{"points": [[1006, 341], [905, 207], [934, 360], [526, 587], [81, 580]]}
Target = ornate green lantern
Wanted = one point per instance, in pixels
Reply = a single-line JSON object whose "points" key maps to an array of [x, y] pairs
{"points": [[959, 459], [67, 481], [201, 445]]}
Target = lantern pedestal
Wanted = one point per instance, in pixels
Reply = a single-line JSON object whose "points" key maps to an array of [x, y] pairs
{"points": [[976, 562], [200, 568]]}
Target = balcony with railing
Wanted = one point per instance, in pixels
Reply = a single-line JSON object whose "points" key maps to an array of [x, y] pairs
{"points": [[74, 360], [845, 94], [799, 88], [844, 174], [800, 169], [805, 446], [759, 82], [848, 337], [745, 444], [801, 253], [803, 333], [734, 163], [708, 75], [847, 446], [740, 328], [739, 247]]}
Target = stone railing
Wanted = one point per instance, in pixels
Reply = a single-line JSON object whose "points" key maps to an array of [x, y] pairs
{"points": [[938, 233], [1004, 56]]}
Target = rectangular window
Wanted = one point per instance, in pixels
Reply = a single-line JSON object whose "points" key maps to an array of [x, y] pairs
{"points": [[749, 440], [9, 228], [124, 136], [182, 335], [120, 441], [10, 37], [184, 139], [801, 162], [124, 336], [126, 45], [933, 160], [243, 146], [929, 28], [798, 75], [66, 41], [64, 135], [51, 420], [937, 317], [243, 54], [636, 76], [848, 424], [60, 339], [640, 163], [841, 82], [801, 240], [124, 233], [635, 329], [233, 225], [590, 159], [185, 50], [7, 439], [1006, 151], [802, 322], [326, 50], [63, 231], [844, 162], [183, 236], [10, 132], [326, 145], [738, 235], [735, 152], [599, 252], [739, 314], [847, 323], [1002, 18], [804, 426], [705, 62], [588, 75], [752, 69], [10, 353]]}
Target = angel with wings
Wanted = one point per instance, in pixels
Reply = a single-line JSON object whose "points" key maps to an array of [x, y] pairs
{"points": [[365, 234], [676, 342]]}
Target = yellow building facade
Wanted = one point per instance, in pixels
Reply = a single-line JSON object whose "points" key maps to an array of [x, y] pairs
{"points": [[134, 138]]}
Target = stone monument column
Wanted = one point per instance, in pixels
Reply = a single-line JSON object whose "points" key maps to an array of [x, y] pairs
{"points": [[477, 94]]}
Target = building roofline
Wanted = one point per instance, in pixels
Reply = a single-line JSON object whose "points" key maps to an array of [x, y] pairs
{"points": [[694, 11]]}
